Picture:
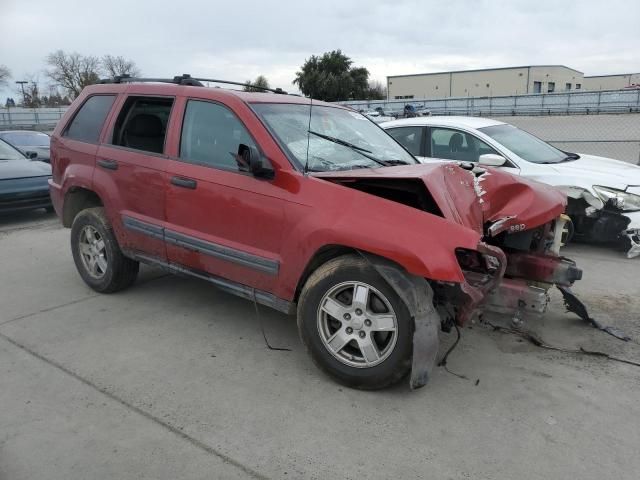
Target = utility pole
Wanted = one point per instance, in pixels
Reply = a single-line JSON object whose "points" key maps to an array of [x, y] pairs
{"points": [[24, 96]]}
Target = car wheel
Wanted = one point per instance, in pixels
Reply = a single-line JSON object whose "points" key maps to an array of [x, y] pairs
{"points": [[97, 254], [355, 326]]}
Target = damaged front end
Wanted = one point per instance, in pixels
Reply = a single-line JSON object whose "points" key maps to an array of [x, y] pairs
{"points": [[606, 215], [509, 273], [520, 226], [517, 260]]}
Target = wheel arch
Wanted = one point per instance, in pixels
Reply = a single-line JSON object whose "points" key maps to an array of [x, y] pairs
{"points": [[77, 199]]}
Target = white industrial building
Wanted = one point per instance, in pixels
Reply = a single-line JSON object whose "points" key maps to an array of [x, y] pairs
{"points": [[502, 81]]}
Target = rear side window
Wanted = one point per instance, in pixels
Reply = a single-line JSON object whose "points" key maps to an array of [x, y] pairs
{"points": [[142, 123], [87, 123], [409, 137]]}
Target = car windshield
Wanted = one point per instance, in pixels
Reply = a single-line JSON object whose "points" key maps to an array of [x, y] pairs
{"points": [[525, 145], [7, 152], [333, 138], [27, 139]]}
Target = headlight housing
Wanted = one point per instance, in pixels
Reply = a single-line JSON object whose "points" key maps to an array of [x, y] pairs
{"points": [[627, 202]]}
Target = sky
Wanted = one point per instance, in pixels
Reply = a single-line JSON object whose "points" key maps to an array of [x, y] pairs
{"points": [[242, 39]]}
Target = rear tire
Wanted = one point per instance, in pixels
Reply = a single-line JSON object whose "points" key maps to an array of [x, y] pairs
{"points": [[367, 348], [97, 255]]}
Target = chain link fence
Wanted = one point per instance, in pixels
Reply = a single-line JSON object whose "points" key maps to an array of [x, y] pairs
{"points": [[613, 136], [30, 118], [605, 123]]}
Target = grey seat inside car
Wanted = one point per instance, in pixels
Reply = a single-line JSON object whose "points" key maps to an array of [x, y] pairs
{"points": [[144, 132]]}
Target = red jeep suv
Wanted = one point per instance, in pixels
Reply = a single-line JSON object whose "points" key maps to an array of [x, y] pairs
{"points": [[306, 207]]}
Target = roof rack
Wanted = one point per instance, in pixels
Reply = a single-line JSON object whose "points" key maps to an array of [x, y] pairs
{"points": [[186, 79]]}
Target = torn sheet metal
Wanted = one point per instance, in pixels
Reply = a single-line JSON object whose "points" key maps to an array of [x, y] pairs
{"points": [[418, 297], [634, 240], [574, 305], [633, 234]]}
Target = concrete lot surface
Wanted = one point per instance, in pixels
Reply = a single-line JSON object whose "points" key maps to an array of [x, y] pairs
{"points": [[172, 379]]}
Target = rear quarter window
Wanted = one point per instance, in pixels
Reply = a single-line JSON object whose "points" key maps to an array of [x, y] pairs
{"points": [[88, 121]]}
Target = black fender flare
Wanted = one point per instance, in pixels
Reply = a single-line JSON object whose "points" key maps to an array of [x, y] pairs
{"points": [[417, 295]]}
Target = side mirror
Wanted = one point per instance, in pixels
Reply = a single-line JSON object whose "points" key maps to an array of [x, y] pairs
{"points": [[251, 160], [31, 155], [492, 160]]}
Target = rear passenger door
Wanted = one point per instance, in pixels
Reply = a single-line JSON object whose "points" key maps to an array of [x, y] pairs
{"points": [[220, 218], [130, 168]]}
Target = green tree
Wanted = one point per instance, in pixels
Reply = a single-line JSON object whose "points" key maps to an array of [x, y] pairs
{"points": [[331, 77], [377, 91], [260, 81]]}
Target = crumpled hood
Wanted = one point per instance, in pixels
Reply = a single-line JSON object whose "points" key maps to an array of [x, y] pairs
{"points": [[505, 201], [23, 169], [594, 170]]}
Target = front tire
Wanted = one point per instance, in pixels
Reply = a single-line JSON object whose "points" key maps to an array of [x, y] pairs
{"points": [[97, 255], [355, 326]]}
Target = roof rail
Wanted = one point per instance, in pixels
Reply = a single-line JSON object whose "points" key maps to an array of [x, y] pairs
{"points": [[186, 79]]}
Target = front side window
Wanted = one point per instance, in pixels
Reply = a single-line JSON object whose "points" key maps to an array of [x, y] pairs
{"points": [[142, 124], [409, 137], [525, 145], [212, 135], [325, 138], [453, 144], [88, 121]]}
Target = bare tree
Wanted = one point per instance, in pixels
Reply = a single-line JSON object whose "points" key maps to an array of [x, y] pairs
{"points": [[73, 71], [5, 75], [116, 66], [32, 91]]}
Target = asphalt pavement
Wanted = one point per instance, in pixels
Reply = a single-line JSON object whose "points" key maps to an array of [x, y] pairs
{"points": [[172, 379]]}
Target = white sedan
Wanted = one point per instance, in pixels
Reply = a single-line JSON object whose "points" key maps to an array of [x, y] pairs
{"points": [[604, 194]]}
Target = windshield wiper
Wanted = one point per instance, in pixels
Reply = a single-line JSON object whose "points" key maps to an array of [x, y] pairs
{"points": [[362, 151], [396, 162]]}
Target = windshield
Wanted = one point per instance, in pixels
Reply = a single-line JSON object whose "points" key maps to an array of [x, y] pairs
{"points": [[7, 152], [27, 139], [336, 139], [525, 145]]}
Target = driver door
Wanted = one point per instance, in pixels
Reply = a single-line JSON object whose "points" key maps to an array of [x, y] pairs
{"points": [[221, 220]]}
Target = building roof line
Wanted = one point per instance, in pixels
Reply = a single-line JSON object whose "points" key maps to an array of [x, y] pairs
{"points": [[482, 70], [613, 75]]}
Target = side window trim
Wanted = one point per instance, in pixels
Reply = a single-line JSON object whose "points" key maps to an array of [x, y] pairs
{"points": [[105, 121], [423, 141], [223, 168]]}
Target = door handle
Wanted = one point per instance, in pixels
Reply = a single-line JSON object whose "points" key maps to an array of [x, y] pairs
{"points": [[108, 164], [184, 182]]}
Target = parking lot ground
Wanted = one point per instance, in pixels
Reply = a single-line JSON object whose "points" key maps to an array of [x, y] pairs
{"points": [[172, 379]]}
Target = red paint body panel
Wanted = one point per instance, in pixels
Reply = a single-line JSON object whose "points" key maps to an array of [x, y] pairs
{"points": [[530, 203], [286, 219]]}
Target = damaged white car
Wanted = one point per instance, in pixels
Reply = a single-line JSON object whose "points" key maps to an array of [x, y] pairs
{"points": [[604, 194]]}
